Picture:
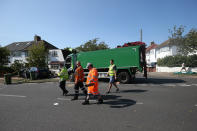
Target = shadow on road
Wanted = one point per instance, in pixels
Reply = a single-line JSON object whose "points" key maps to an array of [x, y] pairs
{"points": [[114, 102], [133, 91]]}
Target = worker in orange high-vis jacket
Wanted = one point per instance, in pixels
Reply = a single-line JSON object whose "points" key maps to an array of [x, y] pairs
{"points": [[79, 78], [92, 84]]}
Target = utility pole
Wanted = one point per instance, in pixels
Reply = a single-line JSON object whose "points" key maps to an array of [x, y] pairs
{"points": [[141, 35]]}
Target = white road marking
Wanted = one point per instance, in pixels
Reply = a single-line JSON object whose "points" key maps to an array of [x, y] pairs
{"points": [[196, 105], [64, 99], [194, 84], [139, 103], [56, 104], [12, 95], [169, 85], [143, 84], [184, 85]]}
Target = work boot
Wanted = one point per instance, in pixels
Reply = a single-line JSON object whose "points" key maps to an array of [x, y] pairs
{"points": [[65, 92], [86, 102], [107, 92], [85, 92], [75, 98], [100, 101], [117, 90]]}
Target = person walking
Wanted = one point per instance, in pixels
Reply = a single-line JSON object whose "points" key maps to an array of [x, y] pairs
{"points": [[112, 75], [63, 74], [183, 67], [92, 84], [79, 78]]}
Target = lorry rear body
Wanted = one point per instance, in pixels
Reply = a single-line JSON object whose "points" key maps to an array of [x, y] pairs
{"points": [[128, 61]]}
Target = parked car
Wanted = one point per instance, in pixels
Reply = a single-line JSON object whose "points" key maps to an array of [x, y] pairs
{"points": [[44, 73], [24, 73], [39, 72]]}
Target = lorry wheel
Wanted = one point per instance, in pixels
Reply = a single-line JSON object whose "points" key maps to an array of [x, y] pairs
{"points": [[124, 77]]}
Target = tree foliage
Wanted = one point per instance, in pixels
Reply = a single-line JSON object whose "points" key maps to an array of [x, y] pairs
{"points": [[190, 44], [187, 44], [4, 56], [4, 70], [92, 45], [17, 65], [38, 56], [66, 51]]}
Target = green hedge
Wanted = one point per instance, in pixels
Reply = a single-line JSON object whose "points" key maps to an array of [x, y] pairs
{"points": [[4, 70], [177, 60]]}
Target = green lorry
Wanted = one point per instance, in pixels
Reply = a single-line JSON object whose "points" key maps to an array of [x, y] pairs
{"points": [[128, 61]]}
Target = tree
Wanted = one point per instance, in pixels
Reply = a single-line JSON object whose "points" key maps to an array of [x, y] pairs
{"points": [[177, 38], [17, 65], [66, 51], [186, 44], [92, 45], [4, 54], [38, 55], [190, 44]]}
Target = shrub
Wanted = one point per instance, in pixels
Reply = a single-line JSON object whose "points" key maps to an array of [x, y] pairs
{"points": [[4, 70], [17, 65], [177, 60]]}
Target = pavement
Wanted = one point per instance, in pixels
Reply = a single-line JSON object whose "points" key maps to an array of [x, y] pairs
{"points": [[160, 103], [171, 74]]}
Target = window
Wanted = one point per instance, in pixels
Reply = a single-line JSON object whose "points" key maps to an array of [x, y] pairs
{"points": [[54, 53], [54, 66], [151, 52], [26, 54], [164, 49], [16, 54]]}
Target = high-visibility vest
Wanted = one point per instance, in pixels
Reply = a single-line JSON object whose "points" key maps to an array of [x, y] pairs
{"points": [[63, 74], [79, 74], [93, 78], [111, 70]]}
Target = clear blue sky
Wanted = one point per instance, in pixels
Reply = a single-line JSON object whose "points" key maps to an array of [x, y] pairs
{"points": [[70, 23]]}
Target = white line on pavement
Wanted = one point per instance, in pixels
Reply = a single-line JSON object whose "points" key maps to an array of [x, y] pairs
{"points": [[139, 103], [11, 95], [184, 85], [168, 84], [64, 99]]}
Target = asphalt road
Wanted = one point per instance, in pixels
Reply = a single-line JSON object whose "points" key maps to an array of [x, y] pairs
{"points": [[156, 104]]}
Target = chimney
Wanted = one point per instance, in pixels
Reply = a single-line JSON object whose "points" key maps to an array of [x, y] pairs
{"points": [[37, 38], [152, 43]]}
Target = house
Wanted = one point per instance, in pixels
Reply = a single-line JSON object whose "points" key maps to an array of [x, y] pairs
{"points": [[165, 49], [56, 60], [151, 57], [19, 50], [154, 52], [151, 54]]}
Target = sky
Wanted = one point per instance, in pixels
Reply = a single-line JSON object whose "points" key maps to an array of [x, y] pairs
{"points": [[70, 23]]}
